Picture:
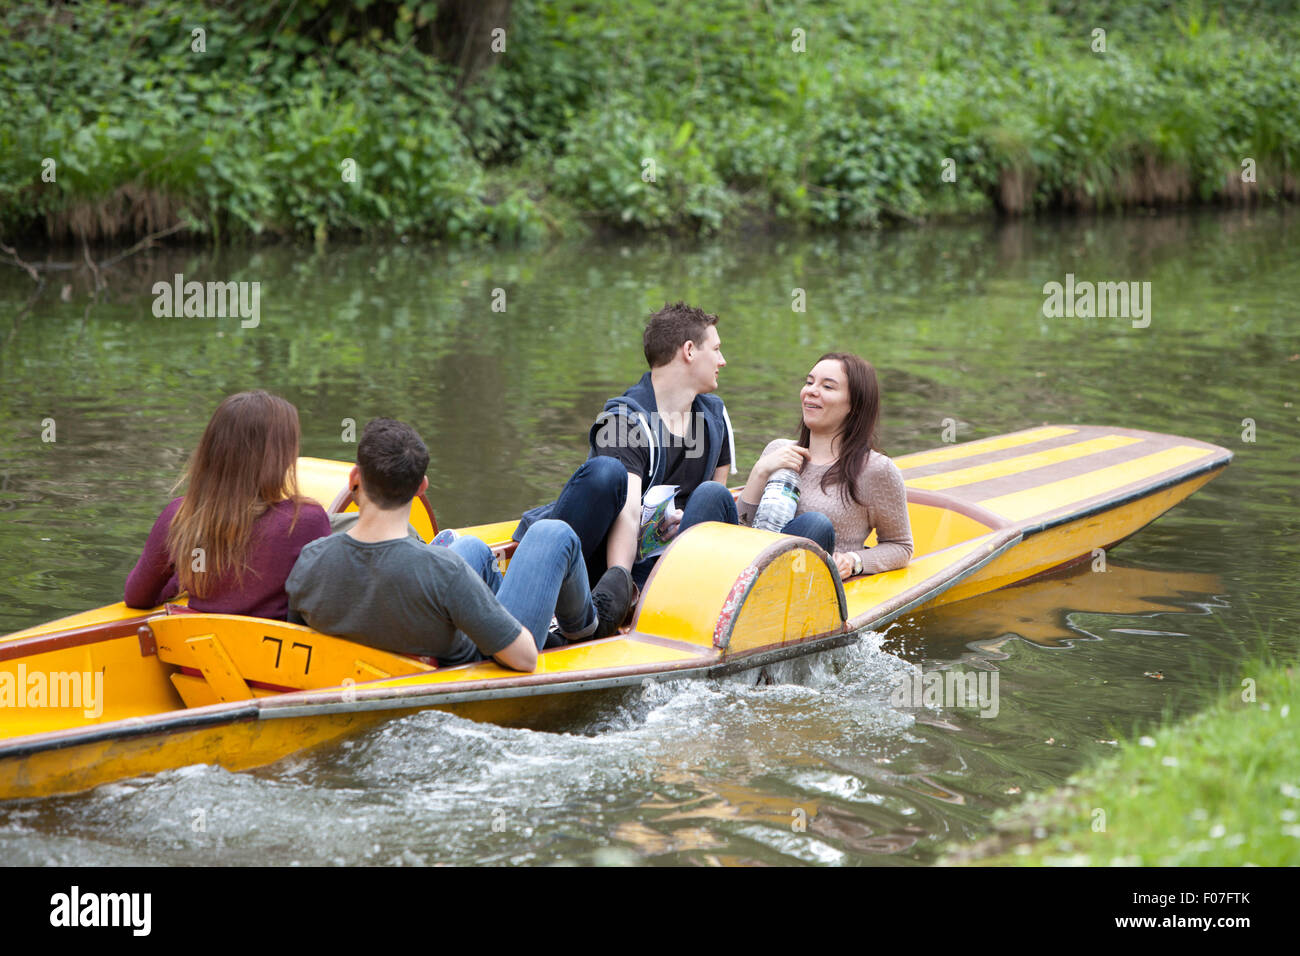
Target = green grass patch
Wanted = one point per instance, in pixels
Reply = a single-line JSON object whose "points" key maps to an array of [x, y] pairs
{"points": [[1219, 789]]}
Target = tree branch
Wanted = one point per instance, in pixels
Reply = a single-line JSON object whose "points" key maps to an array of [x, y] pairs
{"points": [[14, 259]]}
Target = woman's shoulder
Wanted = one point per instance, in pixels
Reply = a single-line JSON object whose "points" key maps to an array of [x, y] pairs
{"points": [[310, 513], [879, 461], [303, 503], [881, 470], [307, 505], [169, 513]]}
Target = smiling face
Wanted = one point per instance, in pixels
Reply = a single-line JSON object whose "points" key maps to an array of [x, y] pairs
{"points": [[825, 397], [707, 360]]}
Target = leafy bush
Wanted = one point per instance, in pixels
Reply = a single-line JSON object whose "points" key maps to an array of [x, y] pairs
{"points": [[649, 175], [830, 115]]}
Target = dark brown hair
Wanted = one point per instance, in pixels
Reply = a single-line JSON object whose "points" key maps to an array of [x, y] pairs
{"points": [[393, 459], [246, 461], [672, 327], [858, 433]]}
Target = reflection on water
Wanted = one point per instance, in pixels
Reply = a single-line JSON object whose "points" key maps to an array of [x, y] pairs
{"points": [[1048, 610], [810, 765]]}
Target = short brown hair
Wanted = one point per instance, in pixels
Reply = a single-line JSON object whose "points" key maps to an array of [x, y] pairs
{"points": [[393, 460], [672, 327]]}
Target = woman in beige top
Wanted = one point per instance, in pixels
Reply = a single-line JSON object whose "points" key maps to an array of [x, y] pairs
{"points": [[841, 476]]}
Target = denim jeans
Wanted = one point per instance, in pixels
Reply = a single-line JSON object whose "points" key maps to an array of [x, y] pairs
{"points": [[815, 526], [597, 492], [546, 578], [709, 502], [713, 502], [591, 500]]}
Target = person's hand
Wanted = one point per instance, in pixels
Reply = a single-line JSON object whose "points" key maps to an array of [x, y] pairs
{"points": [[844, 564], [790, 456], [671, 523]]}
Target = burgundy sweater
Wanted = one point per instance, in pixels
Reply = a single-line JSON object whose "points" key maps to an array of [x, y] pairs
{"points": [[271, 557]]}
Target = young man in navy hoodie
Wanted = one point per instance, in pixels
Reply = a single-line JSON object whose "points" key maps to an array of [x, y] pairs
{"points": [[667, 429]]}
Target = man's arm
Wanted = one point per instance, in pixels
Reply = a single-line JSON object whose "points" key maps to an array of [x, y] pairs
{"points": [[473, 609], [725, 465], [520, 654], [621, 545]]}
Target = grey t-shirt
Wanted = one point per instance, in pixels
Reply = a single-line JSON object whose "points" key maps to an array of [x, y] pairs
{"points": [[399, 595]]}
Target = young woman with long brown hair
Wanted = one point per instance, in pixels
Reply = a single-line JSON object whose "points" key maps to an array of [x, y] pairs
{"points": [[233, 538], [844, 482]]}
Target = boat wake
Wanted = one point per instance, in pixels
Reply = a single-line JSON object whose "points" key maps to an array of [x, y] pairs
{"points": [[436, 788]]}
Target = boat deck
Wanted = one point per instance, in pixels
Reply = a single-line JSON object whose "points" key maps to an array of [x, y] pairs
{"points": [[1040, 477]]}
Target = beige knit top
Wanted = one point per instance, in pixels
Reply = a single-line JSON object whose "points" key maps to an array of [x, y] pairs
{"points": [[880, 486]]}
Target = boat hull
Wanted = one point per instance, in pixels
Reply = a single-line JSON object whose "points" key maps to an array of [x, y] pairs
{"points": [[1051, 549], [722, 600]]}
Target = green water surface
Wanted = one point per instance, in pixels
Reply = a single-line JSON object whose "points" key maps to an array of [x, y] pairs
{"points": [[812, 765]]}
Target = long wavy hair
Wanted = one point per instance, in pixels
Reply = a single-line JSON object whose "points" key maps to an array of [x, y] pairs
{"points": [[247, 460], [858, 433]]}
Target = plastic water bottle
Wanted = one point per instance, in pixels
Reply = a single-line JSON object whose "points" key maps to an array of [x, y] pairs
{"points": [[779, 502]]}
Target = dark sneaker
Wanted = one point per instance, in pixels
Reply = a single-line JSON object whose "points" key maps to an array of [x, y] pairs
{"points": [[631, 606], [555, 638], [612, 596]]}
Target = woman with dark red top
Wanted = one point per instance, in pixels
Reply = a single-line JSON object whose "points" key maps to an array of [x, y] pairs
{"points": [[232, 540]]}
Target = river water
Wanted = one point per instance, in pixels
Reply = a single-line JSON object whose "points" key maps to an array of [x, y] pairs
{"points": [[810, 764]]}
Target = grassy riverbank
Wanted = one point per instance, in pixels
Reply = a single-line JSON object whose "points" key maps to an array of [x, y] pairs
{"points": [[832, 115], [1221, 789]]}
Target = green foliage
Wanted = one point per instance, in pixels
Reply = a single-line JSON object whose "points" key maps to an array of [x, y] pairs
{"points": [[648, 175], [532, 99], [828, 115], [854, 130], [244, 137]]}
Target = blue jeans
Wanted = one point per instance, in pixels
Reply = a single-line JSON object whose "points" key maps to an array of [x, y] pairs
{"points": [[709, 502], [546, 578], [597, 492], [589, 503], [815, 526]]}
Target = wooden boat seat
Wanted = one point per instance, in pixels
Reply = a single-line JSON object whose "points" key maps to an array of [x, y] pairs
{"points": [[225, 657]]}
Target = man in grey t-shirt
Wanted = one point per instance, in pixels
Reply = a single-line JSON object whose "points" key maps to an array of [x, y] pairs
{"points": [[402, 596], [375, 585]]}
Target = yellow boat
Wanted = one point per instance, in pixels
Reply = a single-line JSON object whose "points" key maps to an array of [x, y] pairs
{"points": [[115, 692]]}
